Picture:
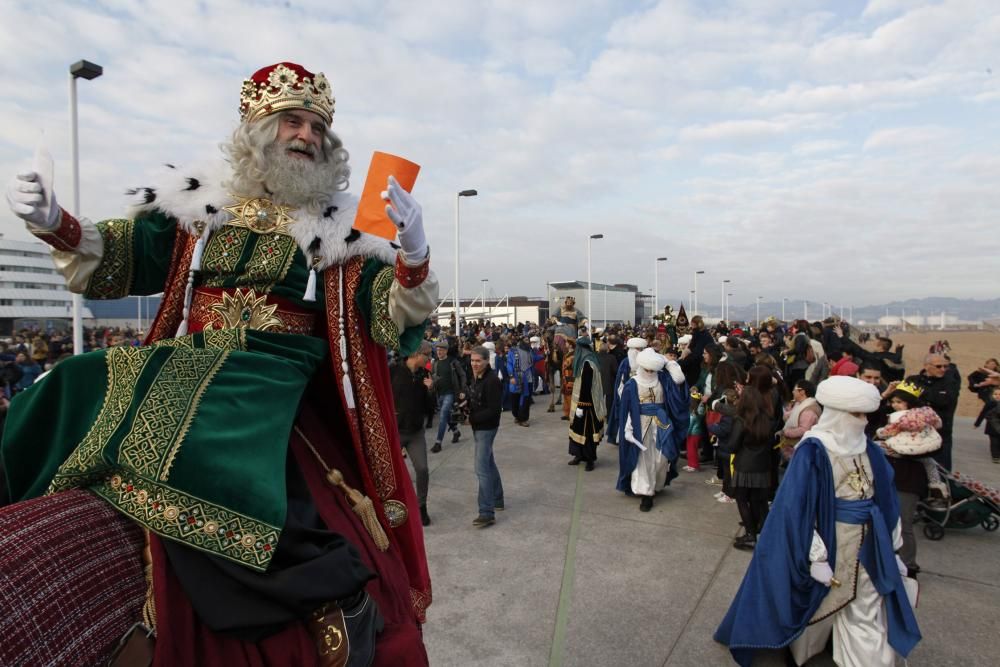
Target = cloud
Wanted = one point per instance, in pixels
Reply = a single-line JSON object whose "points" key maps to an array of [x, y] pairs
{"points": [[908, 137]]}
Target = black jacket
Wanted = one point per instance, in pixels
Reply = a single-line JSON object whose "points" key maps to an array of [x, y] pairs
{"points": [[485, 394], [411, 397], [942, 395]]}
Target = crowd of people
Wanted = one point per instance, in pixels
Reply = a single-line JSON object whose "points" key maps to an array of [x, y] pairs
{"points": [[735, 399]]}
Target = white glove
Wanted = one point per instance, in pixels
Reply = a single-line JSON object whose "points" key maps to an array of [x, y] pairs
{"points": [[676, 374], [28, 201], [903, 570], [821, 572], [405, 213], [631, 438], [579, 412]]}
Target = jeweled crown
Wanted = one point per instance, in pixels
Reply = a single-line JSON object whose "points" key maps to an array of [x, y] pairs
{"points": [[285, 86]]}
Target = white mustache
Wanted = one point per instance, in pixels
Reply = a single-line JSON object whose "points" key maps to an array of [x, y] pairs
{"points": [[302, 147]]}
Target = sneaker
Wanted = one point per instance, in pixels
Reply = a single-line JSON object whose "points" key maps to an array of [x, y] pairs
{"points": [[482, 521], [456, 435], [689, 469], [718, 495], [436, 448], [522, 423], [498, 508], [425, 519], [725, 500], [714, 480], [745, 542]]}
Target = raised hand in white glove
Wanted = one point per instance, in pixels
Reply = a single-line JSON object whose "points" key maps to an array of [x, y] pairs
{"points": [[821, 572], [405, 213], [28, 200], [579, 412], [903, 570]]}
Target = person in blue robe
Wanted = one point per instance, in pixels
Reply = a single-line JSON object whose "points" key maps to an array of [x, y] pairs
{"points": [[625, 371]]}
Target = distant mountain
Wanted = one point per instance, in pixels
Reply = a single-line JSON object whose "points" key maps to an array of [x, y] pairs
{"points": [[966, 310]]}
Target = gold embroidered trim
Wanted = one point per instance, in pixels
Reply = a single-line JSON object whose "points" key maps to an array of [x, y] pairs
{"points": [[191, 520], [171, 310], [125, 365], [114, 274], [272, 258], [164, 417], [224, 250], [383, 329]]}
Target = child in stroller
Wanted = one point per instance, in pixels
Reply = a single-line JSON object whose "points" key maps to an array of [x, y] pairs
{"points": [[912, 431]]}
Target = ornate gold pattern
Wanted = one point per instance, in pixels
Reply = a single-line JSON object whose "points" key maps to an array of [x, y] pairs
{"points": [[191, 520], [260, 215], [205, 313], [396, 513], [383, 329], [272, 258], [246, 310], [125, 365], [165, 415], [113, 277], [224, 249], [375, 439], [420, 601], [171, 309]]}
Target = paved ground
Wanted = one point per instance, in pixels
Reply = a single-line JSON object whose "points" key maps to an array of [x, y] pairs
{"points": [[573, 574]]}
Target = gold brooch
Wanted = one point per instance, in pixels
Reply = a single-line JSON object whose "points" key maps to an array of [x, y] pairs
{"points": [[246, 310], [260, 215]]}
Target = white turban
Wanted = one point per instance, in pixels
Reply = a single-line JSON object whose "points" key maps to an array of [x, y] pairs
{"points": [[651, 360], [636, 343], [841, 433], [490, 345], [684, 340], [849, 394]]}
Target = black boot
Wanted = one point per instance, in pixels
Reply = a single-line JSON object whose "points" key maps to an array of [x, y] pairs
{"points": [[575, 461], [425, 519], [646, 504], [590, 466]]}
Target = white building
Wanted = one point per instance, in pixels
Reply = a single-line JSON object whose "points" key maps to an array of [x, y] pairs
{"points": [[32, 293], [610, 303]]}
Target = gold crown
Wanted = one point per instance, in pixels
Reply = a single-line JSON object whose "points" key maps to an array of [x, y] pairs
{"points": [[285, 86], [910, 388]]}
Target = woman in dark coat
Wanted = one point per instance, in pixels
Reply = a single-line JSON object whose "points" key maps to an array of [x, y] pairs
{"points": [[753, 443]]}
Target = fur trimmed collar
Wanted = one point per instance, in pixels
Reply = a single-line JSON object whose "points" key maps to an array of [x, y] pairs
{"points": [[197, 194]]}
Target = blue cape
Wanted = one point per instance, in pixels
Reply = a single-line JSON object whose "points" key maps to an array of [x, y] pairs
{"points": [[778, 597], [621, 377], [676, 407]]}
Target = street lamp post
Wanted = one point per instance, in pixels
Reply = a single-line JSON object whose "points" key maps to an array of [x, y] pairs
{"points": [[590, 310], [758, 312], [722, 312], [729, 300], [82, 69], [783, 300], [458, 303], [656, 284], [694, 310]]}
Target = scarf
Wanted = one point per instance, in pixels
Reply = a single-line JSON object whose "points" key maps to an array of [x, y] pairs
{"points": [[582, 355]]}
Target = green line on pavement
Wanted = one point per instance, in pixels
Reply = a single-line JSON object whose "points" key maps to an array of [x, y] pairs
{"points": [[569, 571]]}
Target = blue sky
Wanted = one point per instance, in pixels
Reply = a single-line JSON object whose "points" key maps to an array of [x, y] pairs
{"points": [[841, 151]]}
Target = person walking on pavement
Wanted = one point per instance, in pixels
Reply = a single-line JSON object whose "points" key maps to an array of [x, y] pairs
{"points": [[484, 417], [411, 393], [448, 382]]}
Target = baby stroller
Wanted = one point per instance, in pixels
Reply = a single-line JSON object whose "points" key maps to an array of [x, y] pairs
{"points": [[971, 504]]}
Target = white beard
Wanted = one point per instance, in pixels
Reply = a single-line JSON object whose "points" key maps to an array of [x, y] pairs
{"points": [[297, 182]]}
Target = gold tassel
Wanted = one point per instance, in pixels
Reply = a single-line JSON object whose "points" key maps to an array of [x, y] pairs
{"points": [[360, 503], [362, 506]]}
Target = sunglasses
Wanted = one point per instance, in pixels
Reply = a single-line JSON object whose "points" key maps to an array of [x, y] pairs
{"points": [[939, 365]]}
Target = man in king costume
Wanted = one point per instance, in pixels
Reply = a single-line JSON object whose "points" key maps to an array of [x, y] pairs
{"points": [[653, 424], [249, 447], [825, 561], [626, 370]]}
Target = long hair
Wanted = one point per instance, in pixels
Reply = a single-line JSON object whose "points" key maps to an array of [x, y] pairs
{"points": [[726, 376], [247, 153], [754, 410]]}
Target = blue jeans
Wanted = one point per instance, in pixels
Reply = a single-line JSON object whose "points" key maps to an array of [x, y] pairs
{"points": [[445, 403], [490, 486]]}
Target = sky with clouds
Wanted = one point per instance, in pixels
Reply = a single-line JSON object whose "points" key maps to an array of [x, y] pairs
{"points": [[843, 151]]}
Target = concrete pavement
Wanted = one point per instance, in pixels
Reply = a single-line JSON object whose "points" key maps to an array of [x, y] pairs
{"points": [[573, 574]]}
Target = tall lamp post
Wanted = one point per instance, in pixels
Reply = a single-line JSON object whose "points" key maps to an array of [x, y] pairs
{"points": [[694, 310], [590, 310], [656, 284], [783, 300], [722, 312], [82, 69], [484, 281], [458, 303], [691, 301], [758, 312], [729, 300]]}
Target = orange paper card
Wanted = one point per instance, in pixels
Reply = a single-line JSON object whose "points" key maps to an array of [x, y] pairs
{"points": [[371, 216]]}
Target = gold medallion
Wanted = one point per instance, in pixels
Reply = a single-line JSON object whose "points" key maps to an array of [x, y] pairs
{"points": [[260, 215], [396, 513]]}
